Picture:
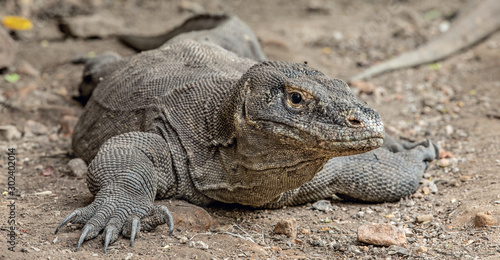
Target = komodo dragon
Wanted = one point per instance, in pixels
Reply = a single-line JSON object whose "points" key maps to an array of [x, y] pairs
{"points": [[194, 121]]}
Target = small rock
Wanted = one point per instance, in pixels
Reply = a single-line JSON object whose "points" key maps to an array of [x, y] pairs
{"points": [[323, 205], [305, 231], [191, 217], [78, 167], [444, 26], [432, 187], [421, 249], [128, 256], [409, 232], [397, 250], [484, 220], [183, 240], [338, 36], [9, 133], [426, 190], [48, 170], [188, 6], [465, 178], [88, 26], [199, 245], [68, 124], [423, 218], [286, 227], [443, 162], [32, 128], [381, 235], [318, 243], [448, 129]]}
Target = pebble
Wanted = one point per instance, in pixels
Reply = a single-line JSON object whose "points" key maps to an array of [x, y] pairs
{"points": [[199, 244], [323, 205], [183, 240], [381, 235], [318, 242], [484, 220], [421, 249], [409, 232], [9, 133], [78, 167], [423, 218], [432, 187], [191, 217], [32, 128], [397, 250], [443, 162], [286, 227], [449, 129], [128, 256]]}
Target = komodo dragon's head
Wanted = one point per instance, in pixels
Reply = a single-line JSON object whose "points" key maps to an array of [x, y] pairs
{"points": [[304, 109], [289, 121]]}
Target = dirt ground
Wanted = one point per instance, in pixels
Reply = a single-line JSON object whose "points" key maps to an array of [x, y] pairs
{"points": [[455, 103]]}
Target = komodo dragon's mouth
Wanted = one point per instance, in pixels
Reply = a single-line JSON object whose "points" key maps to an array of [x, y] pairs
{"points": [[362, 140]]}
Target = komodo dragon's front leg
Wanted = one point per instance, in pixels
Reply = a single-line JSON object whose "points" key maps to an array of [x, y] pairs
{"points": [[125, 177], [385, 174]]}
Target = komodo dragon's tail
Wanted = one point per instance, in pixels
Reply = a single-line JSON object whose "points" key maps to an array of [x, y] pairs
{"points": [[473, 24], [195, 23]]}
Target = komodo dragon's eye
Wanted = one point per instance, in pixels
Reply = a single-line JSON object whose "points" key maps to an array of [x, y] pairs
{"points": [[296, 98]]}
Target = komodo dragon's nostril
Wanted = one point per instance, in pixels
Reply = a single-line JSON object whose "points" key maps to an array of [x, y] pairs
{"points": [[353, 121]]}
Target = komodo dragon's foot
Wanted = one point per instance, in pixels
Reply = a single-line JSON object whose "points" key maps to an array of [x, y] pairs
{"points": [[385, 174], [117, 217], [382, 175], [123, 176]]}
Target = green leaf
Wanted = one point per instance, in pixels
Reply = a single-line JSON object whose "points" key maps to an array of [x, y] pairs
{"points": [[435, 66], [12, 78], [432, 14]]}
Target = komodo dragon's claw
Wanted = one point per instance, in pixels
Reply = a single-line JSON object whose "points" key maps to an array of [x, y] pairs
{"points": [[85, 231], [66, 220], [109, 234], [133, 232], [157, 215]]}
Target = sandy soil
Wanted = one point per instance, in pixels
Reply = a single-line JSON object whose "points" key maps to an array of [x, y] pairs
{"points": [[454, 103]]}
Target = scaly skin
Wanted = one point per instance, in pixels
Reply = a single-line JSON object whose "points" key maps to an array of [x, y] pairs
{"points": [[194, 121]]}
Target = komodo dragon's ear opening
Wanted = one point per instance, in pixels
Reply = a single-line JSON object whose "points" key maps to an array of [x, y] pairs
{"points": [[196, 23]]}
